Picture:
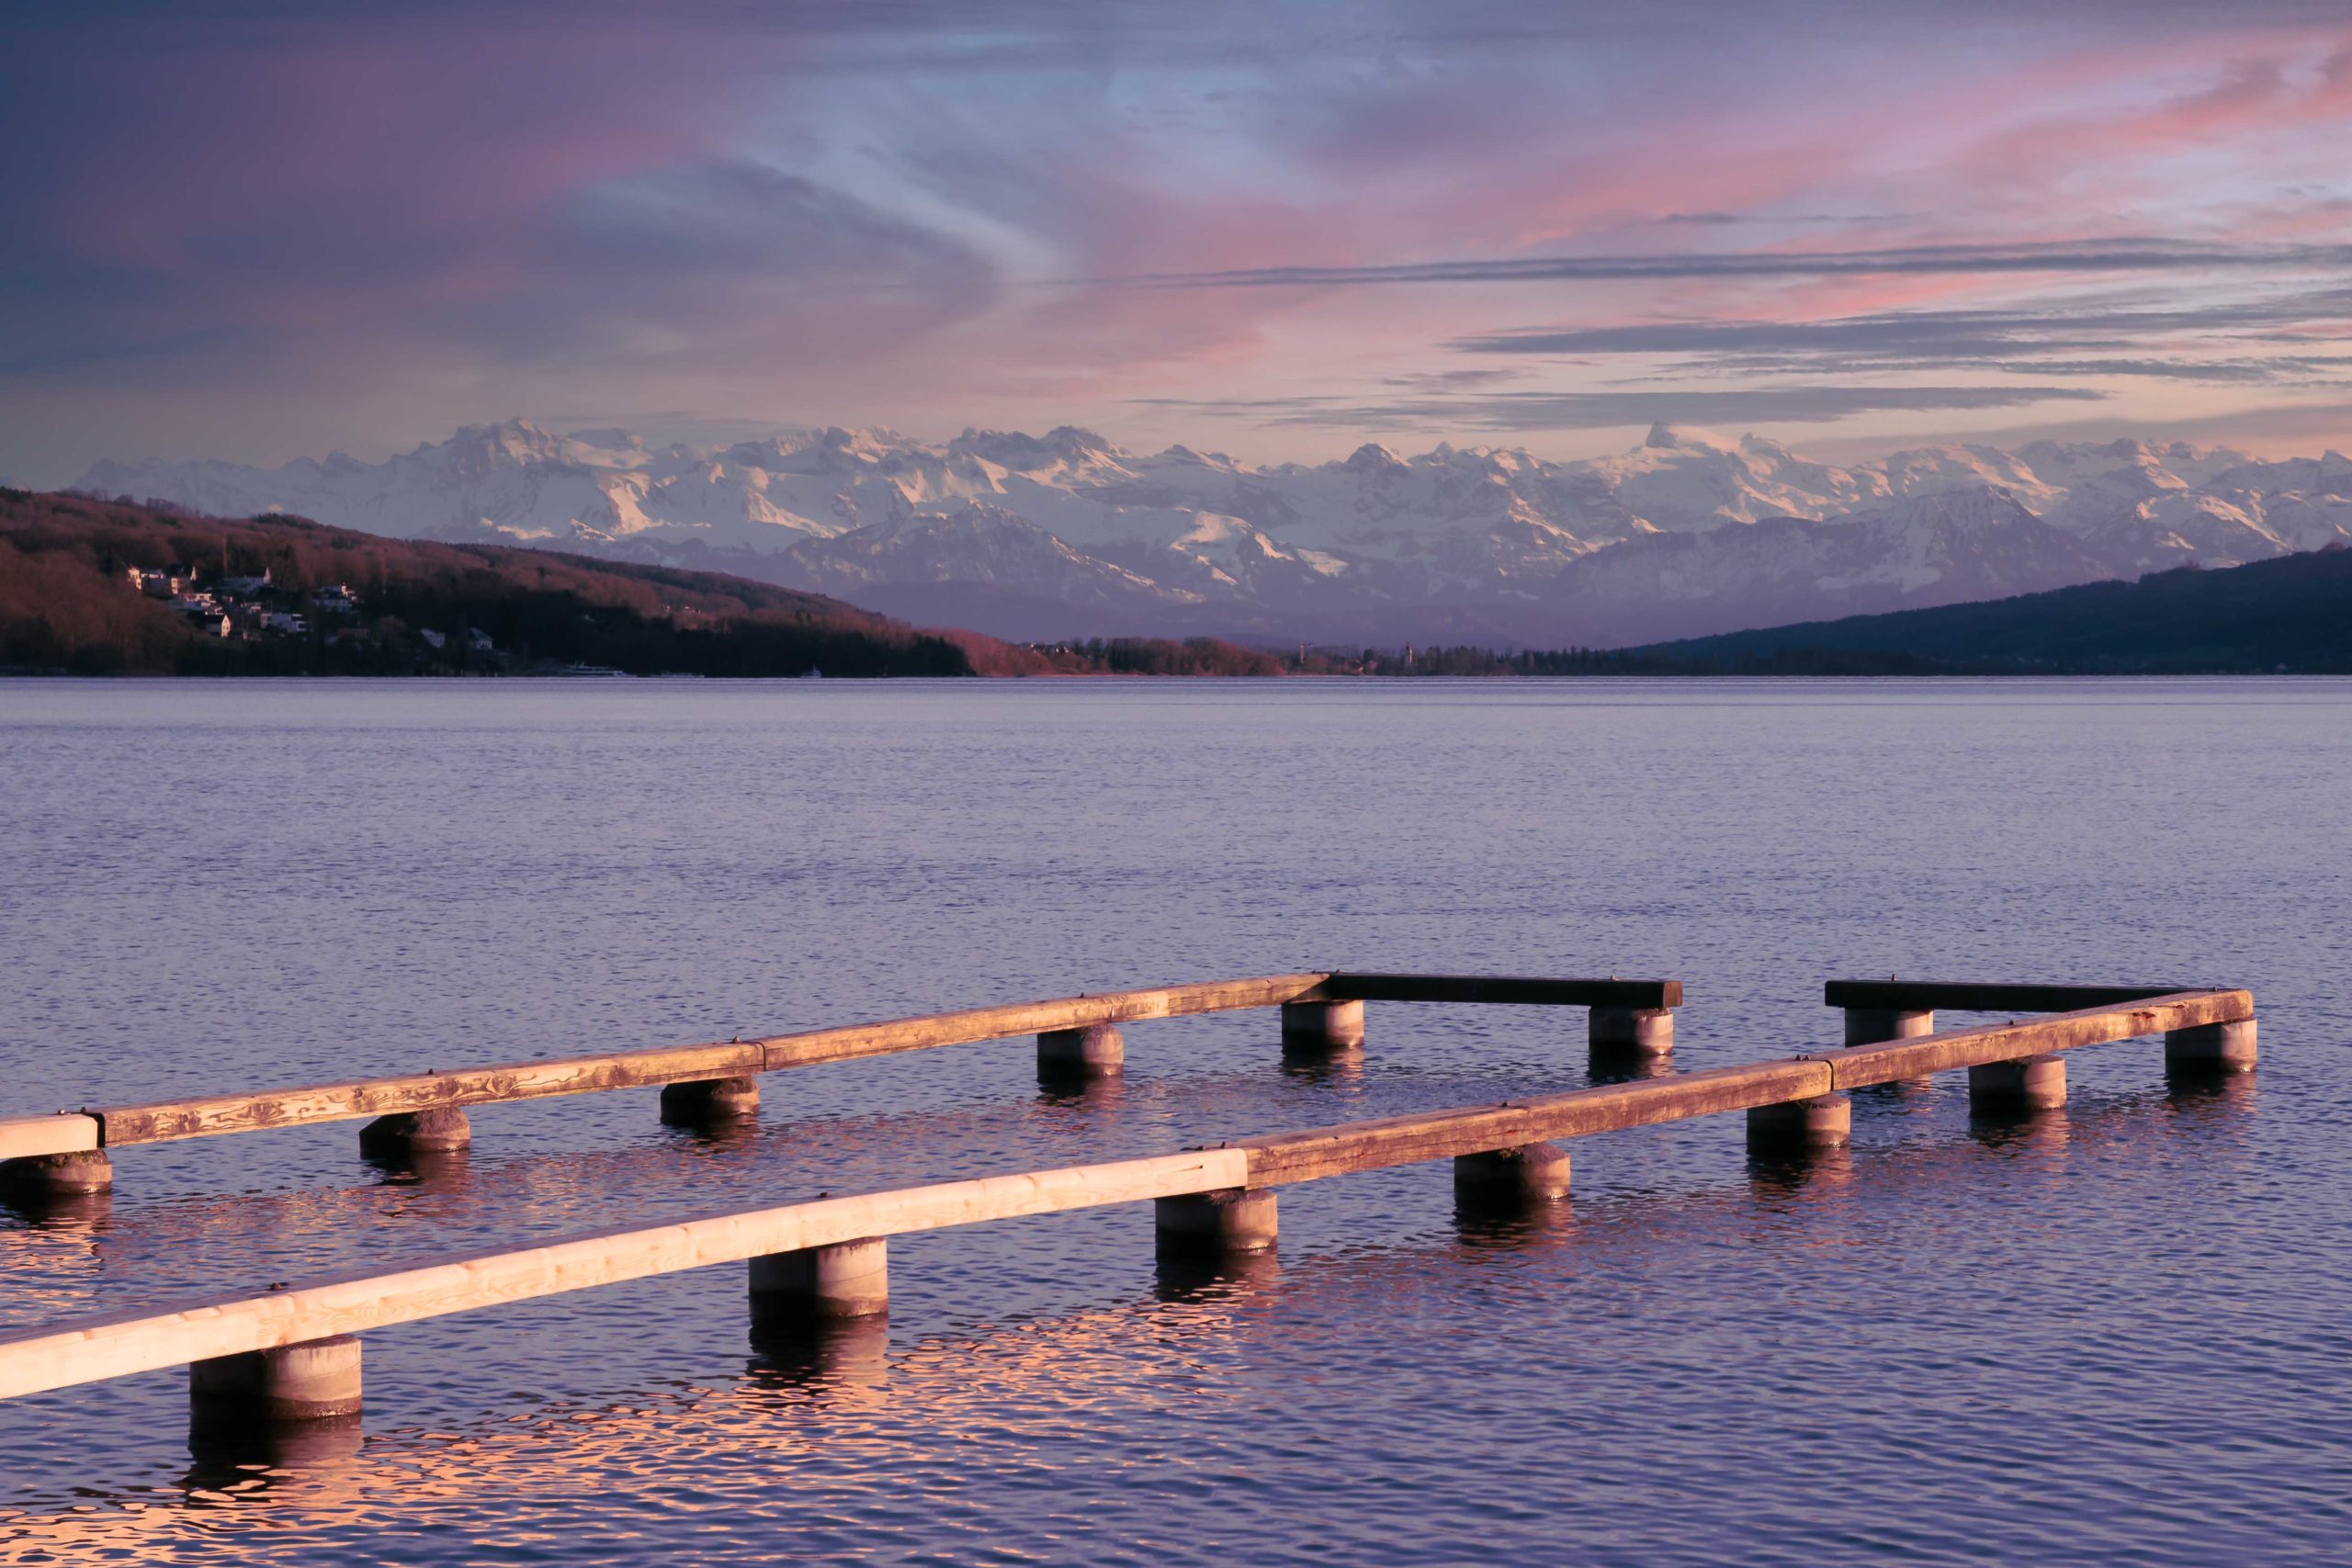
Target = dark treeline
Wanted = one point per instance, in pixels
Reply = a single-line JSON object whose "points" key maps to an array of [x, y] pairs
{"points": [[1161, 656]]}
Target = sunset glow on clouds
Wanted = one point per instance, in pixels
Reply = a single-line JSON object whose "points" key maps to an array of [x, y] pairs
{"points": [[263, 230]]}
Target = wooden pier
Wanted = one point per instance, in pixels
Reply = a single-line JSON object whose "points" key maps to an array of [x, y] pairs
{"points": [[1075, 1036], [291, 1353]]}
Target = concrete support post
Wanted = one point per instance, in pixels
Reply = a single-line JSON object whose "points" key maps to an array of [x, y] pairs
{"points": [[1632, 1032], [1796, 1125], [1872, 1026], [317, 1380], [439, 1131], [44, 1177], [821, 1284], [2030, 1083], [1322, 1026], [703, 1102], [1236, 1220], [1096, 1051], [1532, 1173], [2211, 1048]]}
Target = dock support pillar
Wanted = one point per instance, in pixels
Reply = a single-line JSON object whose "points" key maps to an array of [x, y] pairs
{"points": [[1095, 1051], [40, 1178], [1872, 1026], [288, 1385], [1236, 1220], [1632, 1032], [821, 1284], [1794, 1126], [1322, 1026], [2211, 1048], [1528, 1175], [2030, 1083], [703, 1102], [441, 1130]]}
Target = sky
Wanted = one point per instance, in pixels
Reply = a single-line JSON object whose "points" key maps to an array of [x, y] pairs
{"points": [[263, 229]]}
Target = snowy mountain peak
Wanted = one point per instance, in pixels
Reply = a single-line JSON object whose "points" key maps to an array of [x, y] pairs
{"points": [[1460, 538], [478, 449]]}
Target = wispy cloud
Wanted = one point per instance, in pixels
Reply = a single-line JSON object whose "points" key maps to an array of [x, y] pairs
{"points": [[254, 228], [2123, 254], [1604, 410]]}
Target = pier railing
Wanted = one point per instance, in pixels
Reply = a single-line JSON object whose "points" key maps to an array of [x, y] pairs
{"points": [[1077, 1036], [291, 1353]]}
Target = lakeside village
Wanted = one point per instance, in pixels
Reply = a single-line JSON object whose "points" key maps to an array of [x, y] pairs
{"points": [[256, 609]]}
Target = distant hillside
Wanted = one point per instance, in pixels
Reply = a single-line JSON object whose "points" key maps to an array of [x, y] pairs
{"points": [[2292, 614], [99, 587]]}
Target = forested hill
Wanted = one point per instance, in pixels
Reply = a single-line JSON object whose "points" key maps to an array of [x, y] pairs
{"points": [[2292, 614], [96, 587]]}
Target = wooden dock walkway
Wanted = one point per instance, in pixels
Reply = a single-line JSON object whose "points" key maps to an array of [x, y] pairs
{"points": [[1075, 1036], [291, 1353]]}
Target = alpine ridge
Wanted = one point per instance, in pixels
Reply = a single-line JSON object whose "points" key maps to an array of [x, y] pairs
{"points": [[1069, 534]]}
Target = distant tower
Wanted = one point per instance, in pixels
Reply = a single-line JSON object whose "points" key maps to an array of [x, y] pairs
{"points": [[1409, 656]]}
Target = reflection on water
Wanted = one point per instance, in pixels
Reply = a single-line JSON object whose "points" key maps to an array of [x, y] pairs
{"points": [[2138, 1292]]}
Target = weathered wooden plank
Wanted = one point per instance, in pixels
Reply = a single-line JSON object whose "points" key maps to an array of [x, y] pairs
{"points": [[209, 1115], [1520, 991], [89, 1349], [1283, 1157], [1930, 996], [855, 1041], [68, 1132], [212, 1114], [1860, 1064]]}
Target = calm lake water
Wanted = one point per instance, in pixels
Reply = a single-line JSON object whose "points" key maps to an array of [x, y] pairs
{"points": [[2115, 1334]]}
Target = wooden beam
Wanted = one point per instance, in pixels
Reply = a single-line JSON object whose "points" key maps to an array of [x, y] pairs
{"points": [[1526, 991], [209, 1115], [1860, 1064], [212, 1114], [1282, 1158], [28, 1137], [1931, 996], [35, 1359], [1037, 1018]]}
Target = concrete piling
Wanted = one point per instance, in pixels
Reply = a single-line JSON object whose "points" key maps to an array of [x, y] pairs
{"points": [[1872, 1026], [314, 1380], [42, 1178], [1237, 1220], [2211, 1048], [1322, 1026], [1528, 1175], [705, 1103], [2026, 1084], [1869, 1026], [1794, 1126], [1095, 1051], [821, 1284], [1631, 1031], [438, 1131]]}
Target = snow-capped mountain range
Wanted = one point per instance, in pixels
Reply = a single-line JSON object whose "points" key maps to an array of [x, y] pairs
{"points": [[1067, 534]]}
